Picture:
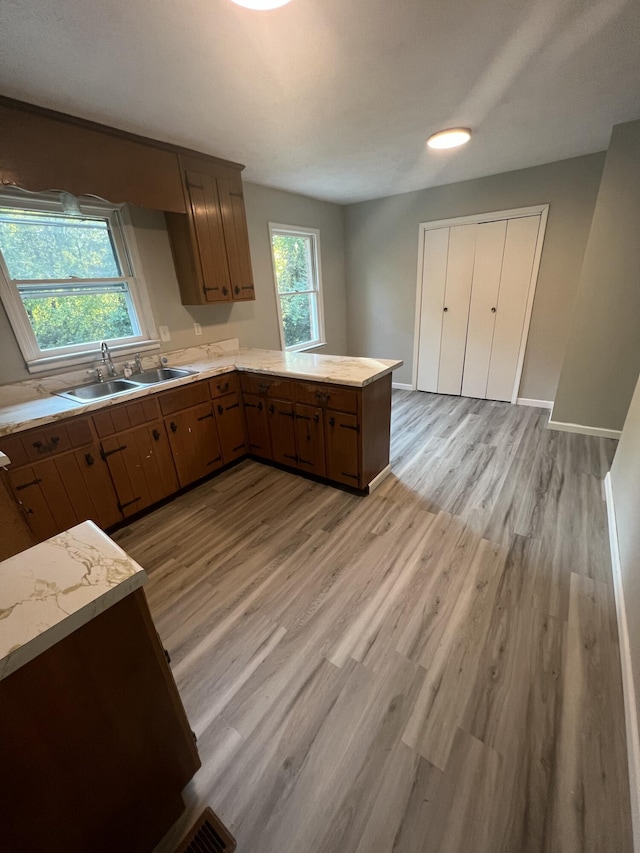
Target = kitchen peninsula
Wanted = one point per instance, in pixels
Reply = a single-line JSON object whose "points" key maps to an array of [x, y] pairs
{"points": [[109, 458], [96, 747]]}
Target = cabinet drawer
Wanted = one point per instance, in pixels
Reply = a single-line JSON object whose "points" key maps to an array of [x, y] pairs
{"points": [[120, 418], [184, 398], [36, 444], [227, 383], [271, 386], [333, 396]]}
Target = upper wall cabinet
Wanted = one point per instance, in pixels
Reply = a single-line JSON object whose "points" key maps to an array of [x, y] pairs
{"points": [[42, 150], [210, 243]]}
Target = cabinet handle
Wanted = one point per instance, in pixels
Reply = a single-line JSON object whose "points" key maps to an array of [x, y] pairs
{"points": [[217, 459], [156, 435], [30, 483], [272, 409], [89, 459], [203, 418], [493, 310], [106, 453], [287, 456], [224, 291], [316, 418], [445, 310], [237, 290], [355, 428], [223, 388], [121, 506], [260, 406], [173, 426], [322, 396], [220, 410], [263, 386], [303, 417], [286, 414], [55, 439], [353, 476], [332, 421], [40, 447]]}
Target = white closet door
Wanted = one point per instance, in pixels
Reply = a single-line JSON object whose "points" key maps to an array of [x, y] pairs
{"points": [[457, 297], [490, 240], [434, 276], [517, 267]]}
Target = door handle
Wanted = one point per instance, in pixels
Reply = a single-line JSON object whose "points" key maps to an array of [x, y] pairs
{"points": [[156, 435], [173, 426]]}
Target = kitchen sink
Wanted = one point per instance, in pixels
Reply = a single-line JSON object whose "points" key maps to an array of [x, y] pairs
{"points": [[115, 387], [98, 390], [161, 374]]}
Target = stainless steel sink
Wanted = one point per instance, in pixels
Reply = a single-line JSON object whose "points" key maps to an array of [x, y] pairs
{"points": [[115, 387], [98, 390], [160, 374]]}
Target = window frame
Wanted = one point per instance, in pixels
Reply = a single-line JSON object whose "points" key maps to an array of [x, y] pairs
{"points": [[123, 241], [314, 233]]}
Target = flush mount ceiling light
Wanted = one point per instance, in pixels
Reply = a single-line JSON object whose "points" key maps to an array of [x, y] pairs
{"points": [[261, 5], [450, 138]]}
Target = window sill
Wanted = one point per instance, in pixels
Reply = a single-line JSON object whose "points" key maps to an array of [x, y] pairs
{"points": [[306, 347], [77, 359]]}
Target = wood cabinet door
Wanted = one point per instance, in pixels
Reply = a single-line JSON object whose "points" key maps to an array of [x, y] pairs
{"points": [[60, 492], [230, 423], [255, 410], [45, 500], [342, 433], [310, 439], [206, 222], [194, 443], [283, 432], [141, 467], [234, 222]]}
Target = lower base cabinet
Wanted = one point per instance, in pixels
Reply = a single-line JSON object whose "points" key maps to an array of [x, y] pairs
{"points": [[310, 439], [343, 442], [129, 456], [195, 446], [141, 467], [258, 440], [100, 747]]}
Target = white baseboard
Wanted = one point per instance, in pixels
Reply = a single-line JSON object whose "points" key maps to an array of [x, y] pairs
{"points": [[402, 386], [377, 480], [539, 404], [585, 430], [630, 706]]}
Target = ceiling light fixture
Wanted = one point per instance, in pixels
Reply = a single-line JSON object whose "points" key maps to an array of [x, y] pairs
{"points": [[450, 138], [261, 5]]}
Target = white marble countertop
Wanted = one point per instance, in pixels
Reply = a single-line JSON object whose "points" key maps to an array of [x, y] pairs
{"points": [[30, 404], [50, 590]]}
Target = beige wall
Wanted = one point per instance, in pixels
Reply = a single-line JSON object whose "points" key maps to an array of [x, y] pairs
{"points": [[603, 352], [382, 253], [254, 323], [625, 485]]}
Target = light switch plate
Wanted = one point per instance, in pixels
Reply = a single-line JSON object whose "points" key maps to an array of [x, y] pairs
{"points": [[197, 328], [165, 334]]}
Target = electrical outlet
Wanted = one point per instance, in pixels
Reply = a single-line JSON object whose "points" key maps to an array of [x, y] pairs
{"points": [[197, 328], [165, 334]]}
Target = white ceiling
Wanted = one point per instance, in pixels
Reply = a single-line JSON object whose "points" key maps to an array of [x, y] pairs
{"points": [[335, 98]]}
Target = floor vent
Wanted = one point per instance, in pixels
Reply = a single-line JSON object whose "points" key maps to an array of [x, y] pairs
{"points": [[208, 835]]}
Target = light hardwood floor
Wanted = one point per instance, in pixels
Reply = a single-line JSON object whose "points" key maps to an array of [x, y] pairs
{"points": [[430, 669]]}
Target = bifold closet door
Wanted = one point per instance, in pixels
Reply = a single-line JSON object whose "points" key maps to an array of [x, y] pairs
{"points": [[444, 314], [487, 269], [515, 281]]}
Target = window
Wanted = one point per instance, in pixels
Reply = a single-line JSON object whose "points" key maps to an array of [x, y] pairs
{"points": [[68, 281], [296, 270]]}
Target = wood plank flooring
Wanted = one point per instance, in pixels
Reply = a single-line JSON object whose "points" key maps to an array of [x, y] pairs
{"points": [[431, 669]]}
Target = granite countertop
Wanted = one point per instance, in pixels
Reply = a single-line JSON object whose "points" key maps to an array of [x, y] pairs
{"points": [[31, 403], [50, 590]]}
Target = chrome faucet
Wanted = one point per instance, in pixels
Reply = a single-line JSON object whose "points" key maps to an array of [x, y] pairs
{"points": [[106, 359], [138, 362]]}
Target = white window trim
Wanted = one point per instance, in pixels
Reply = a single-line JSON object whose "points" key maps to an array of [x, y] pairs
{"points": [[304, 232], [124, 236]]}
